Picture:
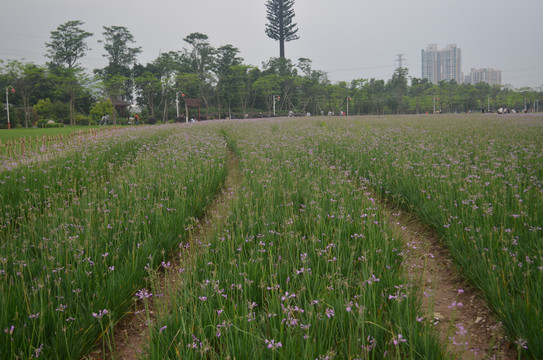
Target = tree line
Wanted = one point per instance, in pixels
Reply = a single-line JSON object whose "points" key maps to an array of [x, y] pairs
{"points": [[63, 91]]}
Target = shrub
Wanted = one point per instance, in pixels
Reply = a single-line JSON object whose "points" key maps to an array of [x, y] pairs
{"points": [[54, 125], [151, 121], [82, 120]]}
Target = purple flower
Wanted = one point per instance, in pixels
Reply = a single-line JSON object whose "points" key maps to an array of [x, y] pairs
{"points": [[399, 340], [271, 344], [100, 314], [455, 304], [34, 316], [143, 294], [162, 329], [522, 343], [202, 298], [38, 351], [329, 312]]}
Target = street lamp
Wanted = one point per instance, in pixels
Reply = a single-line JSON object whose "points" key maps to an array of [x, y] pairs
{"points": [[7, 102], [275, 97]]}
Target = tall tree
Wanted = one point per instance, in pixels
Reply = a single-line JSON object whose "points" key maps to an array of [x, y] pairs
{"points": [[68, 45], [226, 59], [280, 14], [120, 55], [201, 60], [117, 75]]}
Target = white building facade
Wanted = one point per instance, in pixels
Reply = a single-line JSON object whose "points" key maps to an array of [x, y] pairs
{"points": [[445, 64]]}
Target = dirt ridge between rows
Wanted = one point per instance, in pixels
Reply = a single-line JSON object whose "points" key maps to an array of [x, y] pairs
{"points": [[131, 333], [461, 317]]}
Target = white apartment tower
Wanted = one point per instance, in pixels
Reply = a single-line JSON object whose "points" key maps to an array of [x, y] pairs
{"points": [[488, 75], [445, 64]]}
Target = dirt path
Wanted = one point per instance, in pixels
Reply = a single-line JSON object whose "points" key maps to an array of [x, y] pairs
{"points": [[131, 333], [457, 310]]}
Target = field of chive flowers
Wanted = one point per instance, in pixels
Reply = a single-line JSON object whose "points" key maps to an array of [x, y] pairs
{"points": [[306, 266], [80, 231], [478, 180]]}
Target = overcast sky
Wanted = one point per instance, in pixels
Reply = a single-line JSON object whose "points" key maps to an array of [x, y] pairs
{"points": [[348, 39]]}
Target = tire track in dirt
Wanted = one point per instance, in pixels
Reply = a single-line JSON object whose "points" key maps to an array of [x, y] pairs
{"points": [[458, 310], [131, 333], [461, 317]]}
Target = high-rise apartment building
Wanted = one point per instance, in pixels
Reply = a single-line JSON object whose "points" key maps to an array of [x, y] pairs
{"points": [[445, 64], [489, 76], [430, 69]]}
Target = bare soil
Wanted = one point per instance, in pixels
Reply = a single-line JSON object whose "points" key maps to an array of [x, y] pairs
{"points": [[458, 311]]}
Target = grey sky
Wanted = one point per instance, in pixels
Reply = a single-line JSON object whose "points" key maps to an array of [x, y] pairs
{"points": [[348, 39]]}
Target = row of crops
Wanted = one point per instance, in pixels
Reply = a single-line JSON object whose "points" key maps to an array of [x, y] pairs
{"points": [[306, 267], [479, 183], [306, 264], [79, 233]]}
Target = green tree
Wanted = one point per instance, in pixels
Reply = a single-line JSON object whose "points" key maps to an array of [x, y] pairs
{"points": [[201, 60], [267, 86], [117, 75], [148, 86], [101, 108], [378, 95], [227, 59], [68, 45], [121, 57], [397, 87], [241, 83], [280, 14], [417, 90], [25, 77]]}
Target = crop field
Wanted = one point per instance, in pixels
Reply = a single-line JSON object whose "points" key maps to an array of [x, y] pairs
{"points": [[306, 265]]}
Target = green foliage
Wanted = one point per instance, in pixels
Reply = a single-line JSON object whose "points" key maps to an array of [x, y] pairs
{"points": [[68, 44], [82, 120], [45, 109], [101, 108], [280, 14]]}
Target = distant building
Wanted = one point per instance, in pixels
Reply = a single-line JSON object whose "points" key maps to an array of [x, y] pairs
{"points": [[489, 76], [445, 64], [430, 69]]}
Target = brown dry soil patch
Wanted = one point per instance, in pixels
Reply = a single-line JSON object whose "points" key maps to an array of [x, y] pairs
{"points": [[131, 333], [458, 311]]}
